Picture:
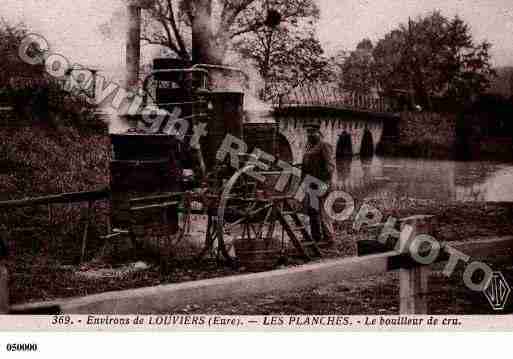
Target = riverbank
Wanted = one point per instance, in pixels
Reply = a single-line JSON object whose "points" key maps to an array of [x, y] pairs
{"points": [[437, 135], [489, 148], [415, 150]]}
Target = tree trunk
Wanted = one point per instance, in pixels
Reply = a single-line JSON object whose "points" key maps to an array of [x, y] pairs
{"points": [[204, 49]]}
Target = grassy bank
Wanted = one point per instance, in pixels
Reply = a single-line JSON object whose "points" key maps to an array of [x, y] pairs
{"points": [[39, 160], [425, 149], [44, 159], [416, 150]]}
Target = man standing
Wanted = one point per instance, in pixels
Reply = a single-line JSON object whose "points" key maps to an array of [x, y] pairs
{"points": [[318, 162]]}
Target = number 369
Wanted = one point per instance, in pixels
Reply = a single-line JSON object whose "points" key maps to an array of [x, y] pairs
{"points": [[61, 319]]}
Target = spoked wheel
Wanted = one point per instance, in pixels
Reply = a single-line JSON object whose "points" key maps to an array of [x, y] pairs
{"points": [[230, 206], [241, 215]]}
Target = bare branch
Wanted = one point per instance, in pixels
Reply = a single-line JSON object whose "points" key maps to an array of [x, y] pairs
{"points": [[250, 28], [178, 35], [230, 12], [162, 42]]}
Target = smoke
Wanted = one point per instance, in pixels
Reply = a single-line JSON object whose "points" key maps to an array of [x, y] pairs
{"points": [[257, 111], [115, 121], [254, 104]]}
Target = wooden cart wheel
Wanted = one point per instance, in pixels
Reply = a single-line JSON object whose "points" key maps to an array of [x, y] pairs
{"points": [[238, 206]]}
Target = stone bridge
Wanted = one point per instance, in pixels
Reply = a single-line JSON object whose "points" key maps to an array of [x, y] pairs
{"points": [[350, 132]]}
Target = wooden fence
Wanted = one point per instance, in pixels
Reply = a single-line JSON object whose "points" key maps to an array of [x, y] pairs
{"points": [[72, 197], [63, 198], [161, 299]]}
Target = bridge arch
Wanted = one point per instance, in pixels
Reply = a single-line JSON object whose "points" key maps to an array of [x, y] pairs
{"points": [[367, 145], [344, 145], [364, 129]]}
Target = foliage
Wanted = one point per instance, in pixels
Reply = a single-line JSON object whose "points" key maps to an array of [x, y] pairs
{"points": [[433, 56], [277, 35], [503, 83], [492, 114], [284, 60], [165, 23], [33, 93], [15, 76], [178, 24], [11, 65], [287, 54], [358, 69], [37, 161]]}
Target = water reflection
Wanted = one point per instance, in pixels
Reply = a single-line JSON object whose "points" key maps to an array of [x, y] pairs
{"points": [[447, 181]]}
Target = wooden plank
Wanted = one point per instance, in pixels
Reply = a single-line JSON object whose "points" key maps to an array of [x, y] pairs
{"points": [[163, 298], [58, 198], [413, 288], [4, 290], [110, 236], [153, 206], [477, 248], [163, 196], [485, 247], [86, 231], [290, 232], [37, 310]]}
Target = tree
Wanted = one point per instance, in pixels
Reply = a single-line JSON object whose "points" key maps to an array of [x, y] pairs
{"points": [[365, 45], [12, 67], [358, 69], [33, 92], [22, 86], [165, 23], [433, 57], [186, 27], [285, 55]]}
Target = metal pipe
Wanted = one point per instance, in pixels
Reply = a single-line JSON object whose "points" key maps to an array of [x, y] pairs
{"points": [[223, 67], [133, 45]]}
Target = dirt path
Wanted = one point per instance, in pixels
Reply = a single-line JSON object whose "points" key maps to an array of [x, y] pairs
{"points": [[39, 277]]}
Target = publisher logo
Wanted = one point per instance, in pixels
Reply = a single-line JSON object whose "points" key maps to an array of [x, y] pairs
{"points": [[497, 292]]}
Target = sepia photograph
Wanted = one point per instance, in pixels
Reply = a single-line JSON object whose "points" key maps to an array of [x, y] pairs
{"points": [[256, 164]]}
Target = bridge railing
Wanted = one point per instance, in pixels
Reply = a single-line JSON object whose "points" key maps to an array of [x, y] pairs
{"points": [[332, 97]]}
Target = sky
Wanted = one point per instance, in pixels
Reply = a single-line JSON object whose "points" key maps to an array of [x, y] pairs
{"points": [[73, 27], [345, 22]]}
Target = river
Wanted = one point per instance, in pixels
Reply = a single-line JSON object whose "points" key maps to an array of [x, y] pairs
{"points": [[422, 179]]}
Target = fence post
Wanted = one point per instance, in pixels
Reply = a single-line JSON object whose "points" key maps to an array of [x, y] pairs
{"points": [[413, 280], [4, 290], [413, 289], [90, 205]]}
